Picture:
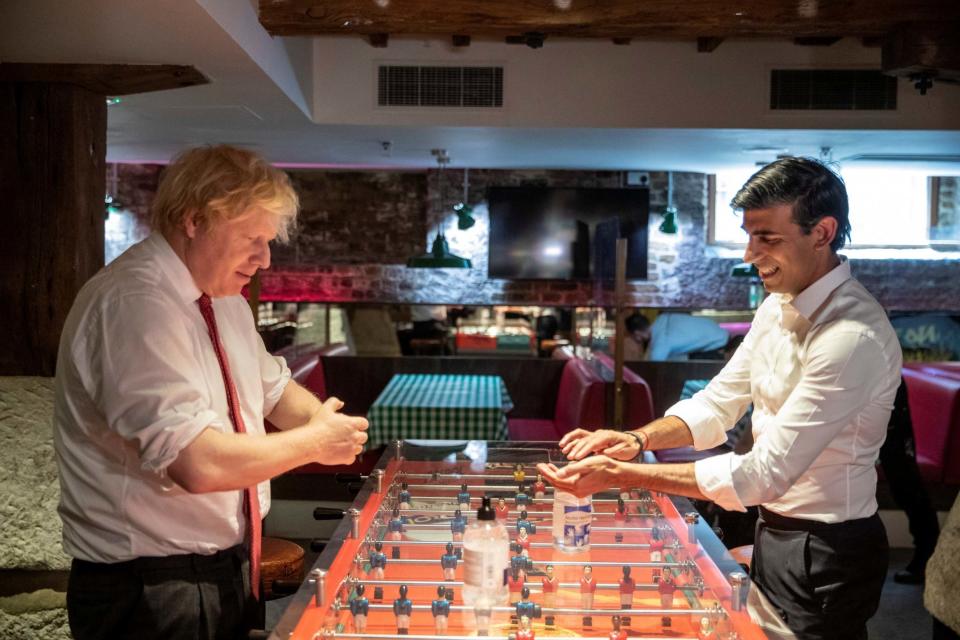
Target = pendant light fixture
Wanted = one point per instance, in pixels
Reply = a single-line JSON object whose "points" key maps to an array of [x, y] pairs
{"points": [[439, 256], [669, 224], [463, 209]]}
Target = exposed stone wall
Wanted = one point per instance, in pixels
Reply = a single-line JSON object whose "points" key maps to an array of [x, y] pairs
{"points": [[357, 229]]}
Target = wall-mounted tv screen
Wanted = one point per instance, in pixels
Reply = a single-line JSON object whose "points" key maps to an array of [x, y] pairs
{"points": [[541, 233]]}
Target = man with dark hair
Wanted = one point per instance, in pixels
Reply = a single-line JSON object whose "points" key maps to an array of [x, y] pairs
{"points": [[821, 365]]}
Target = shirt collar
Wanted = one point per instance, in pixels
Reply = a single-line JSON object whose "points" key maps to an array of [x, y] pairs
{"points": [[174, 268], [810, 299]]}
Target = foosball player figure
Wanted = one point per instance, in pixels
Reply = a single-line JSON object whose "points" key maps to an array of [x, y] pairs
{"points": [[404, 496], [550, 584], [624, 493], [627, 586], [524, 523], [656, 550], [463, 498], [521, 499], [402, 608], [448, 562], [539, 488], [519, 475], [705, 631], [588, 587], [502, 511], [518, 561], [440, 608], [617, 633], [457, 527], [666, 587], [378, 562], [526, 608], [395, 532], [620, 519], [515, 582], [524, 541], [359, 608], [525, 632]]}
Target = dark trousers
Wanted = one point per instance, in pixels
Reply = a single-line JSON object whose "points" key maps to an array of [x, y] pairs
{"points": [[184, 597], [824, 579]]}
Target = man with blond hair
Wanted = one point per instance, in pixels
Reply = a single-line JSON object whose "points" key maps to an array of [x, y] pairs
{"points": [[161, 391]]}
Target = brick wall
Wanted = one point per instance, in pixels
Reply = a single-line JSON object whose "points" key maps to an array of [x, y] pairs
{"points": [[356, 230]]}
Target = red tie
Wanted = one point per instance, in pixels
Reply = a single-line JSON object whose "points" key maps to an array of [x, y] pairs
{"points": [[251, 502]]}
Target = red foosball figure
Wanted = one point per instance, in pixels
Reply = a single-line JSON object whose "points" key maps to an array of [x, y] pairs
{"points": [[539, 488], [588, 587], [501, 511], [666, 587], [525, 632], [524, 541], [550, 584], [515, 583], [617, 633]]}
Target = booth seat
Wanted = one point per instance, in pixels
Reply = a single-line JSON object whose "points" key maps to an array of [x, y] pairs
{"points": [[637, 396], [933, 392], [580, 403]]}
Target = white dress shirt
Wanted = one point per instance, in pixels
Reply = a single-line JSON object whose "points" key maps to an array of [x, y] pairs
{"points": [[822, 370], [137, 381]]}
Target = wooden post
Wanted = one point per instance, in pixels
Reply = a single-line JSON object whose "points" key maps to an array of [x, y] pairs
{"points": [[53, 123], [620, 294], [53, 163]]}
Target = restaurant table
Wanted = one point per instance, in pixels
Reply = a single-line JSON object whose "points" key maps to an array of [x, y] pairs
{"points": [[440, 406]]}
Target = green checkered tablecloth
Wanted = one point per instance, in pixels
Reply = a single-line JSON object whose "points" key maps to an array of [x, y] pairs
{"points": [[440, 407]]}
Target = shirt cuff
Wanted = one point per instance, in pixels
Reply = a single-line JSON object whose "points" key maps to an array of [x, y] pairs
{"points": [[701, 421], [715, 481]]}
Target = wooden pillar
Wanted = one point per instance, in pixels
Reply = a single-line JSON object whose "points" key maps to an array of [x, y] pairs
{"points": [[53, 163], [53, 124]]}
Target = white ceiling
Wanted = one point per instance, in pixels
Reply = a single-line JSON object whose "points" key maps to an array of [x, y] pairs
{"points": [[262, 90]]}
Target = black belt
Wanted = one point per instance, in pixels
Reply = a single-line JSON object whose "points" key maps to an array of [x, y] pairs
{"points": [[194, 561], [786, 523]]}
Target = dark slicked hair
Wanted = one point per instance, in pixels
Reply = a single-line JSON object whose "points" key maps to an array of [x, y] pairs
{"points": [[811, 188]]}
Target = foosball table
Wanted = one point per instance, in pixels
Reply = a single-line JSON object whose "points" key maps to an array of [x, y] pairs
{"points": [[393, 568]]}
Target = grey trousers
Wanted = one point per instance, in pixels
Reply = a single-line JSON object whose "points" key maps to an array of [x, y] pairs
{"points": [[183, 597]]}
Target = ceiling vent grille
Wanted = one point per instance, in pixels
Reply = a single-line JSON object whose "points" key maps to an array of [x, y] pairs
{"points": [[815, 89], [434, 86]]}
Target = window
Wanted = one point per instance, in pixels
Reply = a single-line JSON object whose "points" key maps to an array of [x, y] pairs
{"points": [[889, 207]]}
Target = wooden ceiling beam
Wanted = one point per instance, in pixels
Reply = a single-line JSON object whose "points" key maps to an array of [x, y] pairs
{"points": [[106, 79], [601, 19]]}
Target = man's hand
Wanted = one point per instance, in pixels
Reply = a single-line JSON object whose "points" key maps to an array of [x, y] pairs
{"points": [[580, 443], [342, 436], [584, 478]]}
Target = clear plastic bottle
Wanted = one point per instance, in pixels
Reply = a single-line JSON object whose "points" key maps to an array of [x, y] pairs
{"points": [[486, 557], [571, 522]]}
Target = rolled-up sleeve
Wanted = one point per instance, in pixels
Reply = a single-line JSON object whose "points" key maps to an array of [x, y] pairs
{"points": [[150, 390], [275, 375]]}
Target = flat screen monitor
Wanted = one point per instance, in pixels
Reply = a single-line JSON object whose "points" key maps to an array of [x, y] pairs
{"points": [[544, 233]]}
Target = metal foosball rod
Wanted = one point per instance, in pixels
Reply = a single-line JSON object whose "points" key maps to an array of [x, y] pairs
{"points": [[507, 489], [559, 611], [533, 586], [561, 563], [545, 524], [414, 511], [533, 545], [393, 636]]}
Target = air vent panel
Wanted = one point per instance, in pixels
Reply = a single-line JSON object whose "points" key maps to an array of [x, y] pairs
{"points": [[439, 86], [832, 89]]}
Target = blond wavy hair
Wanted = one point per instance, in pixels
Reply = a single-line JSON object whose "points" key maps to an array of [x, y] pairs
{"points": [[219, 183]]}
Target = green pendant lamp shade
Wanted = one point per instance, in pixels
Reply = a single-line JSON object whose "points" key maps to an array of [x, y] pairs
{"points": [[744, 270], [439, 257], [464, 219], [669, 224]]}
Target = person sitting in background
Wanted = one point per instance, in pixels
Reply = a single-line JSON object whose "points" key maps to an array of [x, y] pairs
{"points": [[673, 336]]}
